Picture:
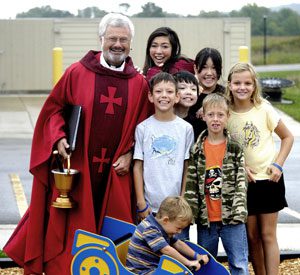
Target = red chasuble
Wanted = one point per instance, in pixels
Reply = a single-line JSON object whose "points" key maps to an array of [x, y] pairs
{"points": [[113, 103]]}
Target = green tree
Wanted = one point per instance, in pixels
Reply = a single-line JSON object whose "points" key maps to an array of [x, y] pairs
{"points": [[256, 14], [151, 10], [205, 14], [289, 22], [91, 12], [44, 11], [279, 23]]}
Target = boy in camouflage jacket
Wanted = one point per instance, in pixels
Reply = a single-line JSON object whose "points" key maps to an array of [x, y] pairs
{"points": [[216, 187]]}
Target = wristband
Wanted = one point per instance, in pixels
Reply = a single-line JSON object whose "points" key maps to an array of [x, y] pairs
{"points": [[195, 256], [277, 166], [143, 210]]}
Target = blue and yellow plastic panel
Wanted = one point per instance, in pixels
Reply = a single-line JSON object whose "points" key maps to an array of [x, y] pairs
{"points": [[105, 254]]}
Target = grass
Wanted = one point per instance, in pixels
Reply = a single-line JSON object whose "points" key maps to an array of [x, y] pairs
{"points": [[2, 254], [290, 94], [280, 50]]}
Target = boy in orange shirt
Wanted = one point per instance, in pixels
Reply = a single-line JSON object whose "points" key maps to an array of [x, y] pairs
{"points": [[216, 187]]}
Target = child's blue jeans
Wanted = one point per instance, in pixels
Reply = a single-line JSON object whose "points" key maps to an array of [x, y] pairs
{"points": [[234, 240]]}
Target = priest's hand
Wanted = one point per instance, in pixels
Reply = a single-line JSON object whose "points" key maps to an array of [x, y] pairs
{"points": [[122, 164], [62, 147]]}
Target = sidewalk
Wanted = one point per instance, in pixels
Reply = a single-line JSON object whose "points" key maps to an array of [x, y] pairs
{"points": [[18, 114]]}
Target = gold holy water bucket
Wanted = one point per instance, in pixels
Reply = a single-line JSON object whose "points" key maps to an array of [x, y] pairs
{"points": [[64, 182]]}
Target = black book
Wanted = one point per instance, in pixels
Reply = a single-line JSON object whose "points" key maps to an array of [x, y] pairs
{"points": [[72, 116]]}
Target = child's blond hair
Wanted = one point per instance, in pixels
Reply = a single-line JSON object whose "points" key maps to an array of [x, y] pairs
{"points": [[175, 208], [240, 67], [215, 100]]}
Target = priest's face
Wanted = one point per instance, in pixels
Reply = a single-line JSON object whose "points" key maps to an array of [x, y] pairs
{"points": [[116, 45]]}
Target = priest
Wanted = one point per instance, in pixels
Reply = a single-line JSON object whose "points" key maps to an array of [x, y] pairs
{"points": [[113, 97]]}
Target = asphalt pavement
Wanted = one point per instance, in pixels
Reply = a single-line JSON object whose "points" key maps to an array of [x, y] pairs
{"points": [[18, 114]]}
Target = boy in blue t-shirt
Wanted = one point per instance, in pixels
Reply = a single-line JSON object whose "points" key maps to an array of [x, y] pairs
{"points": [[162, 148]]}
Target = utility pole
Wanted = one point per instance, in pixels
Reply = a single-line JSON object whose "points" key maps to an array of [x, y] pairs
{"points": [[265, 39]]}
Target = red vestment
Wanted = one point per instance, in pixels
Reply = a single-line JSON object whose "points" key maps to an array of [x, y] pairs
{"points": [[43, 239]]}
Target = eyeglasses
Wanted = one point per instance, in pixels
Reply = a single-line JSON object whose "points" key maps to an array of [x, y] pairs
{"points": [[113, 39]]}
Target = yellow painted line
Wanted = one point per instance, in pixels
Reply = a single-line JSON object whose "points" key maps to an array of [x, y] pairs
{"points": [[19, 193]]}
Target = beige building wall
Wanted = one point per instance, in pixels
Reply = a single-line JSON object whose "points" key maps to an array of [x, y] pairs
{"points": [[25, 61], [76, 38], [26, 44]]}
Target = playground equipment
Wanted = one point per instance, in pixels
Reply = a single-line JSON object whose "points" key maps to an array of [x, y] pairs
{"points": [[106, 253]]}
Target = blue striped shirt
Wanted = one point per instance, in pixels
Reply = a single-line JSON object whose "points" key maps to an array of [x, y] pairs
{"points": [[145, 245]]}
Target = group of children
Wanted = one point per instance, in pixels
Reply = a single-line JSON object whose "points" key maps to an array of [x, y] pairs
{"points": [[230, 175]]}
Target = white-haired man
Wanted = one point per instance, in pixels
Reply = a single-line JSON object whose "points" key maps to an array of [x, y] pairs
{"points": [[113, 96]]}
